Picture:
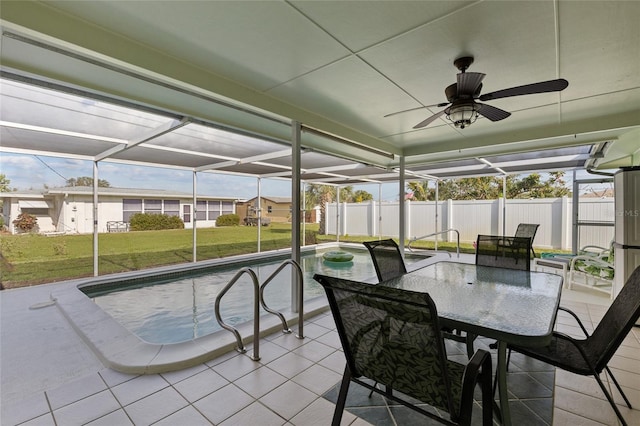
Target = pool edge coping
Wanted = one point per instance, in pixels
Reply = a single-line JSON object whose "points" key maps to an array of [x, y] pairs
{"points": [[121, 350]]}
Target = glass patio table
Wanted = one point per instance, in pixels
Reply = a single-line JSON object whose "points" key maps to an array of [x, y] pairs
{"points": [[511, 306]]}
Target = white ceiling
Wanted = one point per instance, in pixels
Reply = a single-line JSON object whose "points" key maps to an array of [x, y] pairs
{"points": [[340, 66]]}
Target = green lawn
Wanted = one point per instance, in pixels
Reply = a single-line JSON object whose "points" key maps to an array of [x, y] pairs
{"points": [[36, 259]]}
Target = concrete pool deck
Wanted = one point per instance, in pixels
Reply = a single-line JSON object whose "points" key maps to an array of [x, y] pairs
{"points": [[50, 375]]}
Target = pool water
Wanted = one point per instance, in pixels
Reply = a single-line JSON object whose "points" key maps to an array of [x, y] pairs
{"points": [[172, 310]]}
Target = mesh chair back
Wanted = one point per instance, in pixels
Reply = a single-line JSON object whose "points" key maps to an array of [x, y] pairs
{"points": [[616, 323], [503, 252], [527, 230], [387, 259], [391, 336]]}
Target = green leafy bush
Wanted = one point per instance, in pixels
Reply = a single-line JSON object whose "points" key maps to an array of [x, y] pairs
{"points": [[26, 222], [154, 222], [228, 220]]}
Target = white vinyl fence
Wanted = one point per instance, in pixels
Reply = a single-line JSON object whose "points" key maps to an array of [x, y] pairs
{"points": [[473, 217]]}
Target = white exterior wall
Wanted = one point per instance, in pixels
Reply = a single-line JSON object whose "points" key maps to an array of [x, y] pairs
{"points": [[11, 211], [73, 213]]}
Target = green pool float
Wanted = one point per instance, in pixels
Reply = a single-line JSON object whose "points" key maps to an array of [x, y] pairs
{"points": [[337, 256]]}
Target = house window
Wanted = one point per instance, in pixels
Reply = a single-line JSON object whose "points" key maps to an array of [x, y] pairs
{"points": [[172, 207], [130, 207], [201, 210], [269, 209], [153, 206], [214, 210], [186, 213], [227, 207]]}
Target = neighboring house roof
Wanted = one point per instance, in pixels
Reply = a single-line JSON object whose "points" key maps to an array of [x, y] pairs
{"points": [[278, 200], [22, 194], [606, 193], [131, 192]]}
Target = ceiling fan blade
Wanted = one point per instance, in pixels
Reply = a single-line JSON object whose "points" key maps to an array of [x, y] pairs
{"points": [[429, 120], [492, 113], [442, 104], [528, 89], [469, 82]]}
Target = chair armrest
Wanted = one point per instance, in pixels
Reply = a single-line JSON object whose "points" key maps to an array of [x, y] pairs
{"points": [[592, 249], [479, 364], [591, 260], [573, 314]]}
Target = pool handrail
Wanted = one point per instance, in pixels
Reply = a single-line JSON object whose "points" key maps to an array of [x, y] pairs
{"points": [[256, 313], [300, 307], [446, 231]]}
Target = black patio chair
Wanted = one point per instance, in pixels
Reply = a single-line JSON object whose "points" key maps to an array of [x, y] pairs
{"points": [[387, 258], [503, 252], [393, 337], [524, 230], [589, 356]]}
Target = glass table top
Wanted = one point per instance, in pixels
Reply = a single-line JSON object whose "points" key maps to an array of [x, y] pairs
{"points": [[510, 305]]}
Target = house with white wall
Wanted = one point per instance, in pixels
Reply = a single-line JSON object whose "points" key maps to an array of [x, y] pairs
{"points": [[70, 209]]}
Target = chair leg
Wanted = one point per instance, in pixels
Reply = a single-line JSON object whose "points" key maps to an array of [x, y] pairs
{"points": [[615, 382], [342, 397], [610, 399], [487, 398], [470, 338]]}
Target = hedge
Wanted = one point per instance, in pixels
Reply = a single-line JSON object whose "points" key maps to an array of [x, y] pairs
{"points": [[154, 222], [228, 220]]}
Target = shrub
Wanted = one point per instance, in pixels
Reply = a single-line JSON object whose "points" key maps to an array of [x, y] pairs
{"points": [[228, 220], [26, 222], [310, 237], [154, 222]]}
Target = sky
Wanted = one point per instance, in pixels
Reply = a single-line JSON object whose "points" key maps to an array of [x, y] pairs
{"points": [[35, 171]]}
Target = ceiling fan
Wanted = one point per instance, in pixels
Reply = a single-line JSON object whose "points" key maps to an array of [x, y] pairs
{"points": [[462, 107]]}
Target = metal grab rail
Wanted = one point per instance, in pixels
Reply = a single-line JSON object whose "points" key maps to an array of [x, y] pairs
{"points": [[300, 294], [438, 233], [256, 313]]}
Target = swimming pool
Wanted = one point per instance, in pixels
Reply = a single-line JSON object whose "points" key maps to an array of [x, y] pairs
{"points": [[179, 307]]}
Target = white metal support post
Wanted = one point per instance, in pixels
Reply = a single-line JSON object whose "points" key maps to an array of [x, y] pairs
{"points": [[504, 205], [95, 218], [379, 227], [338, 213], [194, 185], [436, 216], [401, 204], [295, 211], [259, 211], [304, 213]]}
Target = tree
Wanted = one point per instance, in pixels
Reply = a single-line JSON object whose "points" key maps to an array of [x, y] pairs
{"points": [[319, 195], [490, 187], [360, 196], [418, 191], [4, 184], [86, 181]]}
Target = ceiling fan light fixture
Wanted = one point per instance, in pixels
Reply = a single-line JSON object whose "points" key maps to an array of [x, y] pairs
{"points": [[463, 114]]}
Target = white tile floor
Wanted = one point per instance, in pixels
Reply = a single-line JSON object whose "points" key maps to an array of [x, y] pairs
{"points": [[49, 377]]}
